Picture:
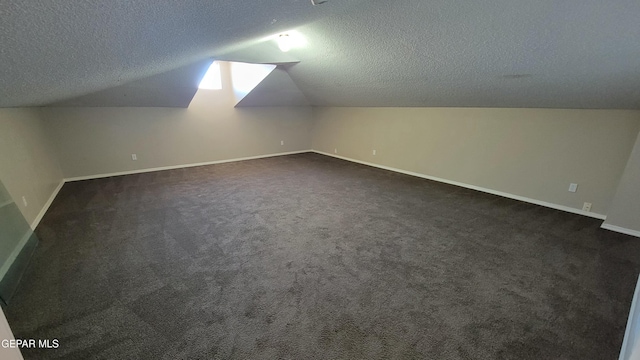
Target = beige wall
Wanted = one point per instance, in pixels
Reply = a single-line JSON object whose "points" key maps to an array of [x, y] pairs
{"points": [[28, 166], [92, 141], [625, 208], [533, 153]]}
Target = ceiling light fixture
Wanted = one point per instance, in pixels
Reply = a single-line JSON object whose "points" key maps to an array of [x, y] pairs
{"points": [[318, 2], [288, 40], [284, 42]]}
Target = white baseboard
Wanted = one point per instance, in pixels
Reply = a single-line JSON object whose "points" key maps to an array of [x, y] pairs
{"points": [[139, 171], [428, 177], [46, 206], [38, 218], [473, 187], [620, 229]]}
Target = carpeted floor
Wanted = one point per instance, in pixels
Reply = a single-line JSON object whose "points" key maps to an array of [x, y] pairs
{"points": [[306, 256]]}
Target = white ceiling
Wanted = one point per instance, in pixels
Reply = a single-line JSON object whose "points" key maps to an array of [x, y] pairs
{"points": [[492, 53], [174, 88]]}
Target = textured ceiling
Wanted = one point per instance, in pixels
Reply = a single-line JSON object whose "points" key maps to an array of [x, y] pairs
{"points": [[56, 50], [174, 88], [497, 53]]}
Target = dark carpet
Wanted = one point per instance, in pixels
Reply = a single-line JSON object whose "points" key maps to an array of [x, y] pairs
{"points": [[306, 256]]}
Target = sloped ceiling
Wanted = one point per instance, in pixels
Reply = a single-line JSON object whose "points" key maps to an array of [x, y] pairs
{"points": [[277, 89], [175, 88], [497, 53]]}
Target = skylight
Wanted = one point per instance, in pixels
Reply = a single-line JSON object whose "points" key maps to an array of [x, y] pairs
{"points": [[212, 79], [247, 76]]}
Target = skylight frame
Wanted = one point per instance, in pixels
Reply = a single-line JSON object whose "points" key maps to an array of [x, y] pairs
{"points": [[212, 79]]}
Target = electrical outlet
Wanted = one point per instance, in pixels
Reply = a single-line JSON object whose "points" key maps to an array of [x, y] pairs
{"points": [[24, 201], [335, 151], [573, 187], [281, 142], [586, 206], [134, 157], [374, 152]]}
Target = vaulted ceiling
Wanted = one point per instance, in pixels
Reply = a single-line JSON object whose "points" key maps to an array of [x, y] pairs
{"points": [[490, 53]]}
